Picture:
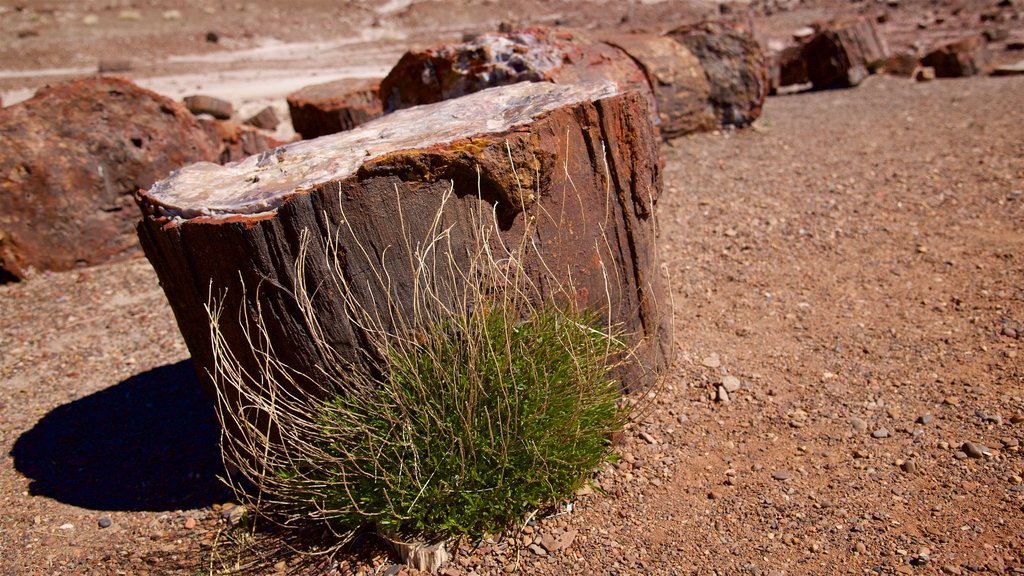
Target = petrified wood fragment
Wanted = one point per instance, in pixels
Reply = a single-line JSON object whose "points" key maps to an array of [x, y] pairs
{"points": [[334, 107], [680, 87], [844, 53], [572, 167], [736, 68], [965, 57], [71, 159]]}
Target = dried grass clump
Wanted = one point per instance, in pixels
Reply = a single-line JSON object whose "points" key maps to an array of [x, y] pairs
{"points": [[479, 400]]}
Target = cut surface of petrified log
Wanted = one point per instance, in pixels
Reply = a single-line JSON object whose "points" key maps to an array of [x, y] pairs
{"points": [[71, 159], [844, 53], [573, 168], [736, 68], [333, 107]]}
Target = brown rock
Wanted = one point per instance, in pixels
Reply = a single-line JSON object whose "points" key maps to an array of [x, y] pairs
{"points": [[844, 53], [675, 75], [554, 542], [235, 141], [70, 160], [924, 74], [789, 68], [265, 119], [202, 104], [900, 64], [735, 65], [965, 57], [535, 54], [240, 224], [335, 106]]}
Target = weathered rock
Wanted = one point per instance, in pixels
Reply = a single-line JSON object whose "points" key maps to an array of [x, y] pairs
{"points": [[70, 160], [535, 54], [265, 119], [677, 79], [843, 53], [216, 107], [334, 107], [965, 57], [539, 157], [924, 74], [735, 65], [789, 68], [900, 64], [235, 141]]}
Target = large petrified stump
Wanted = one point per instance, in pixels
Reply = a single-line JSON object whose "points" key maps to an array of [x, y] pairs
{"points": [[71, 159], [574, 169]]}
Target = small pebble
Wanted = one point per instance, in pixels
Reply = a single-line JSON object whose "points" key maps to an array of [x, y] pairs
{"points": [[951, 401], [104, 522], [950, 569], [1017, 419], [909, 467], [859, 425], [880, 433], [860, 548], [781, 475], [190, 523], [712, 361], [925, 419], [974, 450], [730, 383]]}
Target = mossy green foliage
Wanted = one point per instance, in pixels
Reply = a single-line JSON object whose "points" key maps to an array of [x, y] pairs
{"points": [[476, 423]]}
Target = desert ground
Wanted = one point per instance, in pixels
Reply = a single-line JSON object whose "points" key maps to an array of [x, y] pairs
{"points": [[855, 259]]}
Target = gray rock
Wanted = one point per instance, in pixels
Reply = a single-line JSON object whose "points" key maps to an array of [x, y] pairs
{"points": [[859, 425], [925, 419], [880, 433], [781, 475], [104, 522], [975, 450], [730, 383]]}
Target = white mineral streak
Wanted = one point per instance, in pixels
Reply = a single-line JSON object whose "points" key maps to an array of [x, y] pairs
{"points": [[261, 183]]}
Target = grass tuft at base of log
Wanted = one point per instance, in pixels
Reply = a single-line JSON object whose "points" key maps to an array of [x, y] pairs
{"points": [[479, 401]]}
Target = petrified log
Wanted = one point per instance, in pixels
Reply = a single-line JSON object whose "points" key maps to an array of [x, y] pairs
{"points": [[680, 87], [334, 107], [535, 54], [573, 168], [71, 159], [735, 65], [844, 53], [965, 57]]}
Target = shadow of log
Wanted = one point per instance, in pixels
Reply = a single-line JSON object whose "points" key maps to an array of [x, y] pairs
{"points": [[147, 443]]}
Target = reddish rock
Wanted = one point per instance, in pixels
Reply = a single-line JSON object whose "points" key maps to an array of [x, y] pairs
{"points": [[736, 68], [681, 90], [789, 68], [265, 119], [71, 159], [844, 53], [534, 54], [900, 64], [235, 141], [202, 104], [333, 107], [965, 57]]}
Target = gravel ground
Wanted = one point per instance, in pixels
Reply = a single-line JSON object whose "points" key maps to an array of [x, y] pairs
{"points": [[850, 272]]}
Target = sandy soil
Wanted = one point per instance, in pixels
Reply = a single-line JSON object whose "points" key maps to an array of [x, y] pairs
{"points": [[856, 260]]}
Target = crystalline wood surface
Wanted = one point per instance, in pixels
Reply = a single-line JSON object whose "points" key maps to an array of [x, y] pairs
{"points": [[261, 183]]}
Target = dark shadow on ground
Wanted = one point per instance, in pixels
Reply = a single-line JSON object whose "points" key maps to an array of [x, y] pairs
{"points": [[147, 443]]}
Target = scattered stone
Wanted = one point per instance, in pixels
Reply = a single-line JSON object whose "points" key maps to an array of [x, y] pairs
{"points": [[901, 64], [233, 513], [114, 66], [104, 522], [213, 37], [951, 569], [909, 467], [730, 383], [736, 68], [90, 20], [924, 74], [171, 15], [538, 550], [333, 107], [925, 419], [553, 542], [1017, 419], [951, 401], [880, 433], [860, 548], [859, 425], [722, 395], [989, 418], [781, 475], [975, 450], [129, 15], [265, 119], [202, 104], [712, 361], [114, 138], [190, 523], [648, 438], [965, 57], [1015, 69]]}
